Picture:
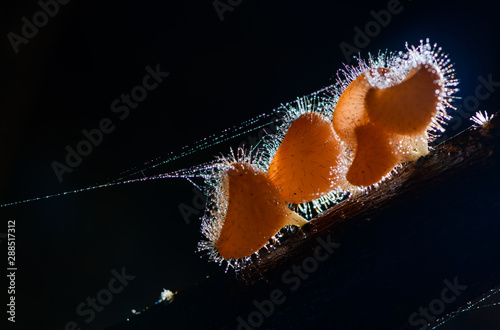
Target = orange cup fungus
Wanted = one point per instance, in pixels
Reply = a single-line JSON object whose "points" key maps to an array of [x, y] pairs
{"points": [[383, 114], [374, 157], [409, 107], [304, 167], [386, 113], [255, 212], [350, 109]]}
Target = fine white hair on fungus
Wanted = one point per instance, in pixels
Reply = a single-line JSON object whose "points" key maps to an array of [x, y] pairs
{"points": [[391, 69], [306, 160], [382, 113], [400, 96], [245, 212]]}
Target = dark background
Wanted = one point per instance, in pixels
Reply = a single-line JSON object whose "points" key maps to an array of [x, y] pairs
{"points": [[221, 73]]}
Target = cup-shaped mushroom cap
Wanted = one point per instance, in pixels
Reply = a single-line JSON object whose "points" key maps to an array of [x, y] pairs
{"points": [[375, 156], [350, 110], [304, 167], [409, 107], [255, 212]]}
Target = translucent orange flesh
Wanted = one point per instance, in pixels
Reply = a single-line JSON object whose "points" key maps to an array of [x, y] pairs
{"points": [[409, 107], [255, 212], [350, 109], [374, 157], [304, 166]]}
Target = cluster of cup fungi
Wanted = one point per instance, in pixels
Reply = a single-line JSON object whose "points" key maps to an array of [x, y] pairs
{"points": [[379, 115]]}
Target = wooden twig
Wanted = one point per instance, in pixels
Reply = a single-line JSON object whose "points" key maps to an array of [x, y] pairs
{"points": [[435, 219], [461, 155]]}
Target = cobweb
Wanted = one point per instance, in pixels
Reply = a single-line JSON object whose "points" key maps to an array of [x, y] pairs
{"points": [[259, 124], [471, 315]]}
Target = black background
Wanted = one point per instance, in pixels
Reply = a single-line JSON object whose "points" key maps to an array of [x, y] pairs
{"points": [[221, 73]]}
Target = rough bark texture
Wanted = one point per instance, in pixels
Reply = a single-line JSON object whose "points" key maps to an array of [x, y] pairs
{"points": [[462, 156]]}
